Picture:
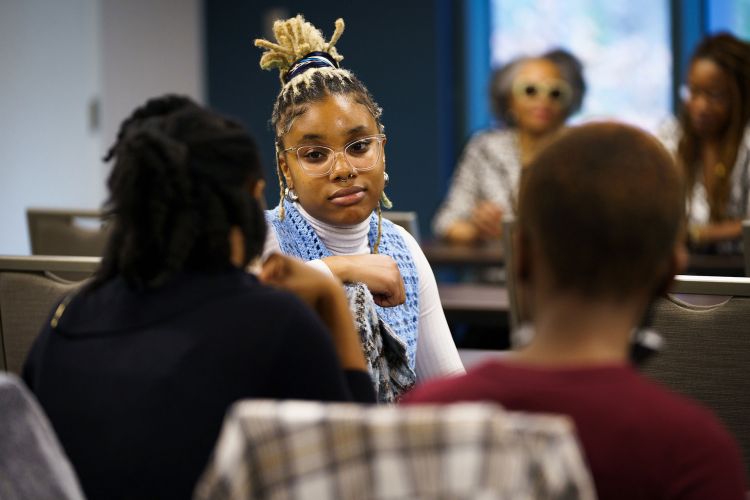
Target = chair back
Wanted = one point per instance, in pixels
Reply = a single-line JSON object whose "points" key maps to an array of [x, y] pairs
{"points": [[407, 220], [706, 351], [29, 289], [32, 462], [59, 232], [746, 245], [311, 450]]}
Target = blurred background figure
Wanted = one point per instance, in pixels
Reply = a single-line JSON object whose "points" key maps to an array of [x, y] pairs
{"points": [[711, 142], [532, 97]]}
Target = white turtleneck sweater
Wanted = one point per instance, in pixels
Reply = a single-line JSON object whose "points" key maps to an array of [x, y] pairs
{"points": [[436, 352]]}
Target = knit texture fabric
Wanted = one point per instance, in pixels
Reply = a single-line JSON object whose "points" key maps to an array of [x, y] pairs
{"points": [[296, 237]]}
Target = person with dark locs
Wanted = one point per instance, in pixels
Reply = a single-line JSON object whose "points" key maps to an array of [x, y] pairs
{"points": [[137, 369]]}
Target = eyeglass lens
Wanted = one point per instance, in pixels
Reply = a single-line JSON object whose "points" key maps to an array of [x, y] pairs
{"points": [[362, 154], [713, 96], [553, 92]]}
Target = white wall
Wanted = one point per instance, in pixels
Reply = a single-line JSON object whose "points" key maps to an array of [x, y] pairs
{"points": [[48, 153], [56, 59], [148, 48]]}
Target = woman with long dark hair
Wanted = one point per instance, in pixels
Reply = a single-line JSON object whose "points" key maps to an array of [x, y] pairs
{"points": [[711, 142]]}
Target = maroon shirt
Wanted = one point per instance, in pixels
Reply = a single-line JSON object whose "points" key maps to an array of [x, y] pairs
{"points": [[640, 440]]}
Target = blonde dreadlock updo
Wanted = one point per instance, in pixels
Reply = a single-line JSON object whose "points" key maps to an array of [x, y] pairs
{"points": [[297, 38], [297, 41]]}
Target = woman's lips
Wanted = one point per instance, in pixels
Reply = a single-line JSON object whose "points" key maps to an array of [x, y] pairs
{"points": [[347, 196], [541, 114]]}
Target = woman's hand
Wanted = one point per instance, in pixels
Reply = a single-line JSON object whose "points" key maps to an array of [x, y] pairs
{"points": [[379, 272], [488, 219], [325, 295], [486, 223], [715, 232], [291, 274]]}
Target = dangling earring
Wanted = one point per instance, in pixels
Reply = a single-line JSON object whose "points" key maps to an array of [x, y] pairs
{"points": [[290, 194]]}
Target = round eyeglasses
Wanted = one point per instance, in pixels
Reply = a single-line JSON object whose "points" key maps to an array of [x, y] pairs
{"points": [[361, 155], [714, 97], [555, 90]]}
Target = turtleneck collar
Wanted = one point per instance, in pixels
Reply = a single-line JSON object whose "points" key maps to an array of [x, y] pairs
{"points": [[340, 240]]}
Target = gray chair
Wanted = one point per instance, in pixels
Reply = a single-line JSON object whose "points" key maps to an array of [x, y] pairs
{"points": [[32, 462], [30, 286], [746, 244], [706, 352], [61, 232], [407, 220]]}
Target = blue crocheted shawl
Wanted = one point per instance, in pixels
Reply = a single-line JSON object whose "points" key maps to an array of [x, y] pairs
{"points": [[296, 237]]}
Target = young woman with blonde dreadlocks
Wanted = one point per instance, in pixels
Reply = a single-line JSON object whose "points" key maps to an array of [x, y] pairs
{"points": [[711, 141], [331, 167]]}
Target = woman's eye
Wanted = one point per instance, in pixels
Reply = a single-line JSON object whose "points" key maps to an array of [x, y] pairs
{"points": [[359, 147], [314, 155], [530, 90]]}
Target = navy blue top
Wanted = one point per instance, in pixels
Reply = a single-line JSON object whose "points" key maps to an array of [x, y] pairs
{"points": [[136, 384]]}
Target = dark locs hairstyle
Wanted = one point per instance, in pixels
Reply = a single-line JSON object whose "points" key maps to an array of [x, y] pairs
{"points": [[732, 55], [182, 178]]}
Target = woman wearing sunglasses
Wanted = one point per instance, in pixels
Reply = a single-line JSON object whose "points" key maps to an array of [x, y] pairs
{"points": [[711, 141], [331, 167], [532, 97]]}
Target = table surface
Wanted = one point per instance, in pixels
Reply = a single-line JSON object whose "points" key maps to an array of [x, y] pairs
{"points": [[473, 297], [443, 253], [440, 253], [716, 265]]}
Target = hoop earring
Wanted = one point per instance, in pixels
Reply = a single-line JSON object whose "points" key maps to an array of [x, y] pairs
{"points": [[290, 194]]}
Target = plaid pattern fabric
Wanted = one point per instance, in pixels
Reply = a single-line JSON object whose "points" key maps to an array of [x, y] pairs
{"points": [[309, 450]]}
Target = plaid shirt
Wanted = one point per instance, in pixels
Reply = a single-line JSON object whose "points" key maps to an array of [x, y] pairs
{"points": [[310, 450]]}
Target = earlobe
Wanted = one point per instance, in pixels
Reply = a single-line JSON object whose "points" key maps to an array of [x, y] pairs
{"points": [[236, 246], [680, 258], [284, 170], [260, 185], [677, 264]]}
